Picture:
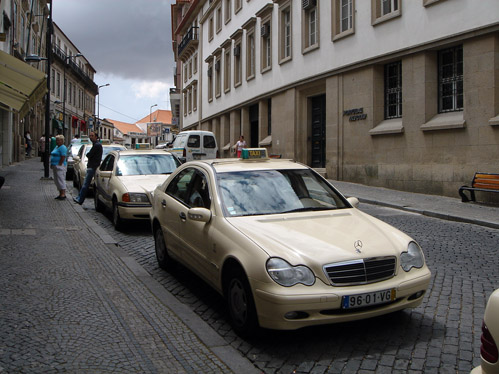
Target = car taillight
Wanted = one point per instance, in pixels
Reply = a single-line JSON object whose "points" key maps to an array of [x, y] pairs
{"points": [[488, 350], [184, 153]]}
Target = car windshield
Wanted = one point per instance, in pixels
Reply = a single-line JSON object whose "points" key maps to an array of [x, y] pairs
{"points": [[146, 164], [262, 192]]}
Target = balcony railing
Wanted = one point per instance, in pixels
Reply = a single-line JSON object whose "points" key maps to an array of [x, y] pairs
{"points": [[76, 69], [191, 35]]}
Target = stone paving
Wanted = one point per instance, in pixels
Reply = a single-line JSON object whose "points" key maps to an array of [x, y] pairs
{"points": [[69, 304]]}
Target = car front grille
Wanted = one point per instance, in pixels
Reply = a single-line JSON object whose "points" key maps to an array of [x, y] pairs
{"points": [[363, 271]]}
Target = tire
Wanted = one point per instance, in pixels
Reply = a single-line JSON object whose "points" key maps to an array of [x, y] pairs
{"points": [[117, 221], [164, 260], [240, 303], [99, 207]]}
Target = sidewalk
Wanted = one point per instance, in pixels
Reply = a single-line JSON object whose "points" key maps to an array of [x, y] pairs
{"points": [[73, 301], [430, 205]]}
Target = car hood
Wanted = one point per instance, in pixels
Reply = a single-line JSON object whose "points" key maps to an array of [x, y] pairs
{"points": [[321, 238], [142, 183]]}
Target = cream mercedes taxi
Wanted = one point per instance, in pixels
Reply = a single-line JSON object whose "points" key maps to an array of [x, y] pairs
{"points": [[489, 349], [125, 179], [282, 245]]}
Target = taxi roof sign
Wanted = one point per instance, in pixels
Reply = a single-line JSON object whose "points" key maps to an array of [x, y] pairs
{"points": [[254, 154], [142, 146]]}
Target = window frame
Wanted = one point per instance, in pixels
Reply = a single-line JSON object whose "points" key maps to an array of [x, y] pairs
{"points": [[389, 90], [250, 54], [308, 44], [285, 32], [377, 14], [337, 17], [455, 80]]}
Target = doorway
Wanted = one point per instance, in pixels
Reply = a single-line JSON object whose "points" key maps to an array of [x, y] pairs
{"points": [[318, 120], [253, 118]]}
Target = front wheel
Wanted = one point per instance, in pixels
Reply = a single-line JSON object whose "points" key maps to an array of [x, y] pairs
{"points": [[99, 207], [241, 304], [164, 259], [117, 221]]}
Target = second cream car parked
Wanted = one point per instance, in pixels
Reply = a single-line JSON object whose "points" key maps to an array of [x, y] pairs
{"points": [[125, 179]]}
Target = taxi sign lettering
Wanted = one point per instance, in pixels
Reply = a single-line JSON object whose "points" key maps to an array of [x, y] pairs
{"points": [[254, 153]]}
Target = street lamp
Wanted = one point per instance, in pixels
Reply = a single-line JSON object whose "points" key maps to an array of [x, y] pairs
{"points": [[48, 45], [150, 111], [97, 123], [66, 59]]}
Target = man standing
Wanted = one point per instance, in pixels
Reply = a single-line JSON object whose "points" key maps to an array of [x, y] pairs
{"points": [[94, 159]]}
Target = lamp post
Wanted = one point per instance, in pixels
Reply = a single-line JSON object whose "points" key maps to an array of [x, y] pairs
{"points": [[66, 59], [97, 123], [48, 42], [150, 112]]}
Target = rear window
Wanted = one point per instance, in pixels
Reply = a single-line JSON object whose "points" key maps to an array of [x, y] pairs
{"points": [[209, 141]]}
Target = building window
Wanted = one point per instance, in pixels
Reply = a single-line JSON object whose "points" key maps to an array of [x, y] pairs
{"points": [[52, 82], [190, 68], [238, 4], [238, 64], [227, 68], [195, 67], [185, 104], [383, 10], [218, 76], [285, 35], [266, 46], [195, 97], [185, 73], [228, 10], [219, 18], [310, 26], [393, 90], [250, 54], [189, 100], [450, 80], [210, 81], [58, 84], [343, 18], [210, 28]]}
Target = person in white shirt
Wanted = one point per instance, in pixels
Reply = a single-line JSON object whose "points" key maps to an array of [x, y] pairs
{"points": [[241, 143]]}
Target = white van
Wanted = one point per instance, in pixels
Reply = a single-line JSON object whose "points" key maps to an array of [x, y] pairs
{"points": [[195, 145]]}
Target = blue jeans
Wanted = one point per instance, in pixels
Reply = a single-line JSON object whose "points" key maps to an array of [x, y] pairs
{"points": [[86, 185]]}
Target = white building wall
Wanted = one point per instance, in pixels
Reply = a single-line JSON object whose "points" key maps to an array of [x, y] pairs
{"points": [[417, 25]]}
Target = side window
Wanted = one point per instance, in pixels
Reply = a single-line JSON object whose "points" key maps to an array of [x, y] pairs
{"points": [[194, 141], [209, 141], [199, 195], [179, 186], [108, 163], [80, 152]]}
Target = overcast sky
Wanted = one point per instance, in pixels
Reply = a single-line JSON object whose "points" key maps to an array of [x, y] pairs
{"points": [[128, 43]]}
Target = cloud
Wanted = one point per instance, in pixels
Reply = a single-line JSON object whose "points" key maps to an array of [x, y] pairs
{"points": [[149, 90]]}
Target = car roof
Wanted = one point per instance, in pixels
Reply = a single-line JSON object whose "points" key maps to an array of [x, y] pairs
{"points": [[142, 152], [222, 165]]}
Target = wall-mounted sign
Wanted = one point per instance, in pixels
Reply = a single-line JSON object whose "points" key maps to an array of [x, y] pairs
{"points": [[355, 114]]}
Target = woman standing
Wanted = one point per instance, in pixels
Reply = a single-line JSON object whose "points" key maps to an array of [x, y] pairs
{"points": [[58, 164], [241, 143]]}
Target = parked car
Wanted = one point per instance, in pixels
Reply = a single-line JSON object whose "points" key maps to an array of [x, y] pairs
{"points": [[282, 245], [80, 161], [73, 149], [195, 145], [489, 351], [125, 179]]}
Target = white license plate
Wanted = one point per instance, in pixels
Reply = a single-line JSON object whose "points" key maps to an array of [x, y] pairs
{"points": [[368, 299]]}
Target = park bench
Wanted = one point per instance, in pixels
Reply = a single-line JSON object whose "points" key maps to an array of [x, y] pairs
{"points": [[485, 182]]}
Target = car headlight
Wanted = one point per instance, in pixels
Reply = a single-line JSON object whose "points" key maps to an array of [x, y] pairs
{"points": [[413, 258], [285, 274], [135, 198]]}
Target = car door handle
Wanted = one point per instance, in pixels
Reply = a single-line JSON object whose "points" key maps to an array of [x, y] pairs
{"points": [[182, 216], [163, 203]]}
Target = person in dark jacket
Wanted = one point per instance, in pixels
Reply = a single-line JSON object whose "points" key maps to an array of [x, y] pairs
{"points": [[94, 158]]}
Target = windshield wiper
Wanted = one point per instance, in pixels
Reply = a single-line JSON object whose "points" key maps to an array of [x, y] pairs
{"points": [[309, 209]]}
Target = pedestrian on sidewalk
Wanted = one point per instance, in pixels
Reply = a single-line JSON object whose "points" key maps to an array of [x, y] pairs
{"points": [[42, 147], [94, 158], [58, 163], [241, 143], [27, 139]]}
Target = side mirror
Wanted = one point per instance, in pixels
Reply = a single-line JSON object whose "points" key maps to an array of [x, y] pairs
{"points": [[76, 158], [353, 201], [199, 214]]}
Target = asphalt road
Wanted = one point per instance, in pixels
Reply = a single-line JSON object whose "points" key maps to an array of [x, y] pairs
{"points": [[440, 336]]}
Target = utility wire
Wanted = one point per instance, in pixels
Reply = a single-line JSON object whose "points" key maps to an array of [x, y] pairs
{"points": [[136, 120]]}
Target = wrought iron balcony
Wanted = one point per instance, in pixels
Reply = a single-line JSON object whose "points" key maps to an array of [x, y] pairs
{"points": [[189, 41]]}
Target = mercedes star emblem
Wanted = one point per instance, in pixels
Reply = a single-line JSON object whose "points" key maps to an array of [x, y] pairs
{"points": [[358, 246]]}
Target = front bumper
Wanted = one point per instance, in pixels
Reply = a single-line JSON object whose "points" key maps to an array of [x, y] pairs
{"points": [[322, 307]]}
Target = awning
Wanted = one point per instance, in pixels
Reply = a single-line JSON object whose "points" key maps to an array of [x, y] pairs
{"points": [[21, 85]]}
